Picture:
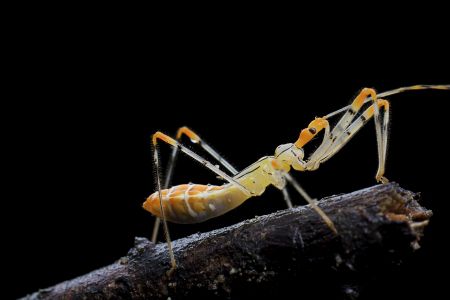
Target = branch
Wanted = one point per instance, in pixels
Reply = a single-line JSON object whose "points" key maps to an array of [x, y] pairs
{"points": [[290, 251]]}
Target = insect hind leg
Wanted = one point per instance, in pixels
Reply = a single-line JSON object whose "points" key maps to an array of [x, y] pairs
{"points": [[195, 139], [173, 262], [167, 139]]}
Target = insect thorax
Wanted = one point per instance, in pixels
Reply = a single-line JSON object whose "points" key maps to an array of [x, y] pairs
{"points": [[263, 174]]}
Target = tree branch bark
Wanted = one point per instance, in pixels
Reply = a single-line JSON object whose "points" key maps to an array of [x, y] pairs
{"points": [[290, 251]]}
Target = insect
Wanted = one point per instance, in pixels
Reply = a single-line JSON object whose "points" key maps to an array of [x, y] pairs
{"points": [[194, 203]]}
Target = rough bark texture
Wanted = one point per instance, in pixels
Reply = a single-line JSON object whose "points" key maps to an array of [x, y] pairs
{"points": [[290, 251]]}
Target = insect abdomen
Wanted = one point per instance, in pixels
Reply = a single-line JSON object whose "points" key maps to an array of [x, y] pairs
{"points": [[194, 203]]}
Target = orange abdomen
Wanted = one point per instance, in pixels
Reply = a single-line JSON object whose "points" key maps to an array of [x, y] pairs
{"points": [[193, 203]]}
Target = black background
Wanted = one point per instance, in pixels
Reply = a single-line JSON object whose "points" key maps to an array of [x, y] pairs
{"points": [[84, 106]]}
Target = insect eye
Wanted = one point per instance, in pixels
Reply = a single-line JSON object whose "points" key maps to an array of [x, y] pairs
{"points": [[312, 130]]}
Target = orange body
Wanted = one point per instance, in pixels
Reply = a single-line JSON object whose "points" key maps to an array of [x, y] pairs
{"points": [[195, 203]]}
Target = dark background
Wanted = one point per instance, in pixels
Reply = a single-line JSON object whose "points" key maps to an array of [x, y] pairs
{"points": [[85, 105]]}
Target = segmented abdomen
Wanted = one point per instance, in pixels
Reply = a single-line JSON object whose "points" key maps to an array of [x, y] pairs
{"points": [[194, 203]]}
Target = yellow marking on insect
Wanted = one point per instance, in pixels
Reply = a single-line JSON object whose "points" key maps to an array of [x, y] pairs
{"points": [[198, 188], [307, 134], [359, 100], [442, 87], [383, 103], [370, 111], [318, 123], [197, 204], [183, 203], [275, 164], [177, 205], [176, 193], [189, 133], [305, 137], [165, 138], [216, 188]]}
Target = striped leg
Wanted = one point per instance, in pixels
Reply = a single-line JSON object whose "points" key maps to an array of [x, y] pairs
{"points": [[344, 122], [345, 128], [381, 125]]}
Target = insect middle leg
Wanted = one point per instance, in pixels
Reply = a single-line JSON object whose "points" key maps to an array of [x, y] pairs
{"points": [[311, 202]]}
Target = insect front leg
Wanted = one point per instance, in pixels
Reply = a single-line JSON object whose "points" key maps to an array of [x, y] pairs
{"points": [[380, 112], [346, 127], [343, 123]]}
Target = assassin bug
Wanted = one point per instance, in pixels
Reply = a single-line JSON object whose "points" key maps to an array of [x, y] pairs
{"points": [[194, 203]]}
